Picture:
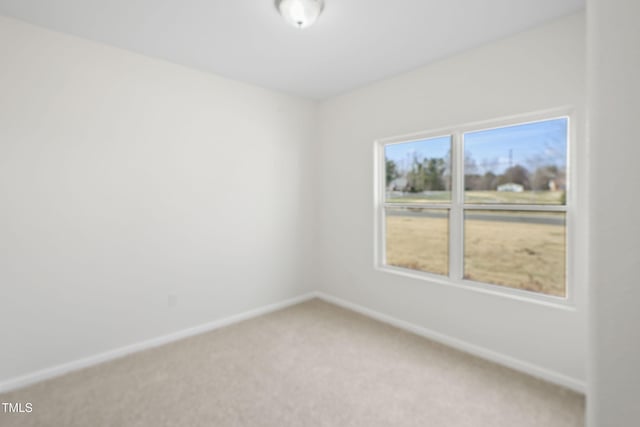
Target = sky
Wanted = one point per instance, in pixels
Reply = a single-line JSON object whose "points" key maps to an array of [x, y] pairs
{"points": [[530, 145], [402, 154]]}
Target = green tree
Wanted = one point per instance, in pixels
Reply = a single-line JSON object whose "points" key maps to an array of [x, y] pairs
{"points": [[434, 171], [426, 175], [392, 171]]}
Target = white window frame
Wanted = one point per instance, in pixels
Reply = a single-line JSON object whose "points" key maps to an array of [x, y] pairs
{"points": [[457, 206]]}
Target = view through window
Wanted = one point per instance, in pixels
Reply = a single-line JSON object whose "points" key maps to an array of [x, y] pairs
{"points": [[480, 205]]}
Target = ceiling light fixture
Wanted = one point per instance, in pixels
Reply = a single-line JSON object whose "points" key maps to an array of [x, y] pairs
{"points": [[300, 13]]}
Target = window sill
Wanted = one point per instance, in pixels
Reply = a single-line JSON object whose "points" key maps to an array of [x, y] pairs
{"points": [[562, 303]]}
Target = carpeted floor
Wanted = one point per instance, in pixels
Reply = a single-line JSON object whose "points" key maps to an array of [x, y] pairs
{"points": [[313, 364]]}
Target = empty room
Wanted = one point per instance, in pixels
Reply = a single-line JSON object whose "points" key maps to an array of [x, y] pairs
{"points": [[319, 213]]}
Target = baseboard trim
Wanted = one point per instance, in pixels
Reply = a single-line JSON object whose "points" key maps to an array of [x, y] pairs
{"points": [[502, 359], [55, 371], [519, 365]]}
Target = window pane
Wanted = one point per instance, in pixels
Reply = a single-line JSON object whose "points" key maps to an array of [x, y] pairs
{"points": [[523, 164], [418, 171], [418, 239], [524, 250]]}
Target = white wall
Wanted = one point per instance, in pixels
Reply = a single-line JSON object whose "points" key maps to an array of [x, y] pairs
{"points": [[124, 179], [614, 108], [536, 70]]}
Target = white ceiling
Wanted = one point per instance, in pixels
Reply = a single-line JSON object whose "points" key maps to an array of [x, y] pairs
{"points": [[354, 42]]}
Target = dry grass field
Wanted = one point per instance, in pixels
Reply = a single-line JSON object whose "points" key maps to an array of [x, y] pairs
{"points": [[418, 243], [521, 255], [524, 197]]}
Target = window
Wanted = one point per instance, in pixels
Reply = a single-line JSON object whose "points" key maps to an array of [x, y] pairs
{"points": [[478, 205]]}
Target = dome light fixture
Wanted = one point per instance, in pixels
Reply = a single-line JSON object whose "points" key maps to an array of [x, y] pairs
{"points": [[300, 13]]}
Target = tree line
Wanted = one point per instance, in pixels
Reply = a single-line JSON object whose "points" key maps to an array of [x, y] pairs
{"points": [[432, 174]]}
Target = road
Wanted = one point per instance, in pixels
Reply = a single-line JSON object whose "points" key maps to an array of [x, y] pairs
{"points": [[526, 218]]}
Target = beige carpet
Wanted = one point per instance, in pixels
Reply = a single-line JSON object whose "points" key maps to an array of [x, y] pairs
{"points": [[313, 364]]}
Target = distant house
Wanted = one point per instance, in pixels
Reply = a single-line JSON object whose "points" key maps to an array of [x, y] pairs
{"points": [[511, 186], [398, 184]]}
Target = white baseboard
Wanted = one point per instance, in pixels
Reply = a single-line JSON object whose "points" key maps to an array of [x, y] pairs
{"points": [[519, 365], [502, 359], [55, 371]]}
